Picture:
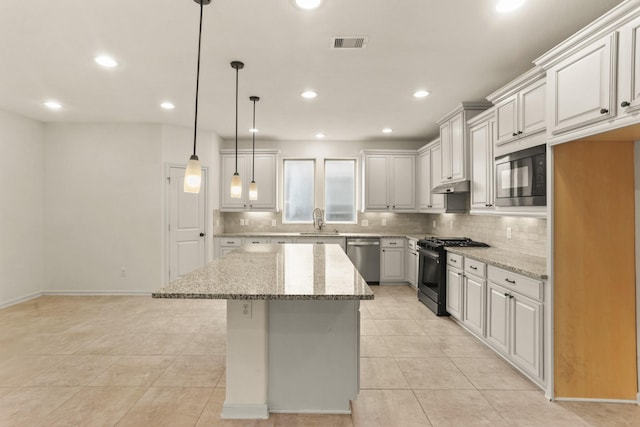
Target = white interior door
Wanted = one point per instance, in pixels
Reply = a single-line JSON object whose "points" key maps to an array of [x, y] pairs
{"points": [[186, 225]]}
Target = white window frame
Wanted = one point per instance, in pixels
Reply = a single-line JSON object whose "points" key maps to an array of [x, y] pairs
{"points": [[355, 188], [284, 202]]}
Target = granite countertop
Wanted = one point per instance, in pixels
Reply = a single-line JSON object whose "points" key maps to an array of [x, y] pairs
{"points": [[527, 265], [320, 234], [274, 272]]}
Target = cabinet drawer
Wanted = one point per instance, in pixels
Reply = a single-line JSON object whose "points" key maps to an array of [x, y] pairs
{"points": [[392, 243], [523, 285], [231, 241], [476, 268], [256, 240], [412, 244], [454, 260]]}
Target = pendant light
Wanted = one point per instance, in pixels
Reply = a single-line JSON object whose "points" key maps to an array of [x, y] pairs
{"points": [[193, 173], [236, 182], [253, 187]]}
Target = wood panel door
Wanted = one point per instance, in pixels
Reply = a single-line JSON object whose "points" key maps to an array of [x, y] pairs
{"points": [[594, 270]]}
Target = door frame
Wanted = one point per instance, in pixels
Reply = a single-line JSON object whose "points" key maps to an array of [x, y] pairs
{"points": [[165, 226]]}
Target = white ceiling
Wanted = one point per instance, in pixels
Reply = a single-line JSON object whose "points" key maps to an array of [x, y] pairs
{"points": [[459, 50]]}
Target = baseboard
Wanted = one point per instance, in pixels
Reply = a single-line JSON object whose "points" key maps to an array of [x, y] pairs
{"points": [[581, 399], [239, 411], [18, 300], [313, 411], [98, 293]]}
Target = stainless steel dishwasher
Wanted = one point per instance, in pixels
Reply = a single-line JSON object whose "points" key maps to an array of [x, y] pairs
{"points": [[364, 253]]}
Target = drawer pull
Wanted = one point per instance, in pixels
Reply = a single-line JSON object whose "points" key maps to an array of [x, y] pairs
{"points": [[473, 267], [453, 260], [513, 282], [393, 243], [625, 104], [603, 111], [230, 243]]}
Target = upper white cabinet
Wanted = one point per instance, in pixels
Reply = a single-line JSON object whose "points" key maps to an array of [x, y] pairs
{"points": [[520, 107], [481, 131], [429, 162], [454, 141], [389, 180], [266, 167], [593, 77]]}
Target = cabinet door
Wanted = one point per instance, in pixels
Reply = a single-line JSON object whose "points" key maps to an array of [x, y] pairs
{"points": [[228, 162], [445, 154], [526, 339], [498, 318], [392, 264], [473, 304], [481, 146], [410, 267], [454, 292], [425, 180], [532, 109], [458, 149], [376, 182], [403, 182], [507, 120], [265, 176], [629, 67], [437, 200], [582, 87]]}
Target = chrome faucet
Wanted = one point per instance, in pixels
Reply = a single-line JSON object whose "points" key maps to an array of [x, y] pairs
{"points": [[318, 219]]}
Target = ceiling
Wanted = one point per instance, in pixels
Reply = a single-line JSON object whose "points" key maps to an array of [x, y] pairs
{"points": [[458, 50]]}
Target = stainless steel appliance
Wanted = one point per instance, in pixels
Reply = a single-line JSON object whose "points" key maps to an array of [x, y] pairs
{"points": [[432, 271], [364, 253], [521, 178]]}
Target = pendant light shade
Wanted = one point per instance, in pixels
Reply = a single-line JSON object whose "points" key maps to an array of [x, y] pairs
{"points": [[253, 187], [236, 181], [193, 173]]}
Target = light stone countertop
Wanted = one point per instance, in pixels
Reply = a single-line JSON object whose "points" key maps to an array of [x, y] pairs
{"points": [[274, 272], [527, 265], [322, 234]]}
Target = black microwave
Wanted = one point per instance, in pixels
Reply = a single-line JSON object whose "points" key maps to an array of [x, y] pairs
{"points": [[521, 178]]}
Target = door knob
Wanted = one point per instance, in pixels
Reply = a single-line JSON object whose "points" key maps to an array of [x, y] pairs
{"points": [[202, 234]]}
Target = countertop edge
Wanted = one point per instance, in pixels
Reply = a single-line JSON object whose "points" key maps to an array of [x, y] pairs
{"points": [[268, 297], [466, 252]]}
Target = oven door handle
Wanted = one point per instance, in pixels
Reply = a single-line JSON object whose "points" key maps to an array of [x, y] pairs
{"points": [[430, 254]]}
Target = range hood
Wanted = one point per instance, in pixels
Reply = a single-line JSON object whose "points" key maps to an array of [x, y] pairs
{"points": [[452, 187]]}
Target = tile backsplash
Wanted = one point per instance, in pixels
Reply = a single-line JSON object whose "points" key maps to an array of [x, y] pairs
{"points": [[528, 235]]}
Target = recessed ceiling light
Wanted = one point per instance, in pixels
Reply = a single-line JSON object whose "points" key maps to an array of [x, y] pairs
{"points": [[106, 61], [387, 130], [308, 4], [52, 105], [506, 6], [254, 130], [309, 94], [421, 94], [167, 105], [320, 135]]}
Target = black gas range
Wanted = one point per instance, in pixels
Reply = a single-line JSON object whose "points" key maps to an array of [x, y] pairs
{"points": [[432, 273]]}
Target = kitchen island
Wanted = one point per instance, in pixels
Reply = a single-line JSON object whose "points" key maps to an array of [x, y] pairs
{"points": [[293, 326]]}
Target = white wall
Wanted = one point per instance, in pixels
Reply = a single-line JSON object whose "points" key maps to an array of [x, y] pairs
{"points": [[21, 208]]}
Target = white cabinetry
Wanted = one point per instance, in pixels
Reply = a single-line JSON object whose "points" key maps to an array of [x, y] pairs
{"points": [[392, 259], [266, 167], [454, 141], [481, 145], [389, 181], [473, 295], [411, 263], [514, 319], [454, 285], [429, 164], [224, 245]]}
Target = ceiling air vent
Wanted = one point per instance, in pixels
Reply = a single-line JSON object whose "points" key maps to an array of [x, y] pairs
{"points": [[353, 42]]}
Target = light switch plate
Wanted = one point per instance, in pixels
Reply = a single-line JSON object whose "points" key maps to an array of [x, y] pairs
{"points": [[241, 222], [508, 232], [365, 222], [384, 223], [273, 222]]}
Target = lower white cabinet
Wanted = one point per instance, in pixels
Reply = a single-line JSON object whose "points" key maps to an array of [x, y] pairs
{"points": [[224, 245], [411, 263], [473, 305], [454, 291], [392, 259]]}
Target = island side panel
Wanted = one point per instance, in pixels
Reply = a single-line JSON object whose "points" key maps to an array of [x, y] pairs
{"points": [[313, 354], [246, 388]]}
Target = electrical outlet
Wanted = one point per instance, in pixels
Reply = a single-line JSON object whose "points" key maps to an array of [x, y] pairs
{"points": [[434, 223], [365, 222], [242, 223], [246, 221], [123, 272], [217, 223], [273, 223], [246, 310], [451, 225], [384, 223], [508, 232]]}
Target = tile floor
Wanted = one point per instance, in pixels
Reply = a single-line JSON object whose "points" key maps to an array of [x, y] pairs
{"points": [[137, 361]]}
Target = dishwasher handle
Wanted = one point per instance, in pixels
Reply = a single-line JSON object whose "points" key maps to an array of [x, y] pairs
{"points": [[363, 243]]}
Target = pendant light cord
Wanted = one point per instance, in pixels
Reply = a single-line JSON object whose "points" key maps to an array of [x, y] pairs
{"points": [[253, 138], [236, 120], [195, 123]]}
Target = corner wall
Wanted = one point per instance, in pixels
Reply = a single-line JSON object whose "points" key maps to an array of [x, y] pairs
{"points": [[21, 208]]}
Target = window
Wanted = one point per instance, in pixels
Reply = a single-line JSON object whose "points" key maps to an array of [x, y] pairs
{"points": [[340, 191], [298, 190]]}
